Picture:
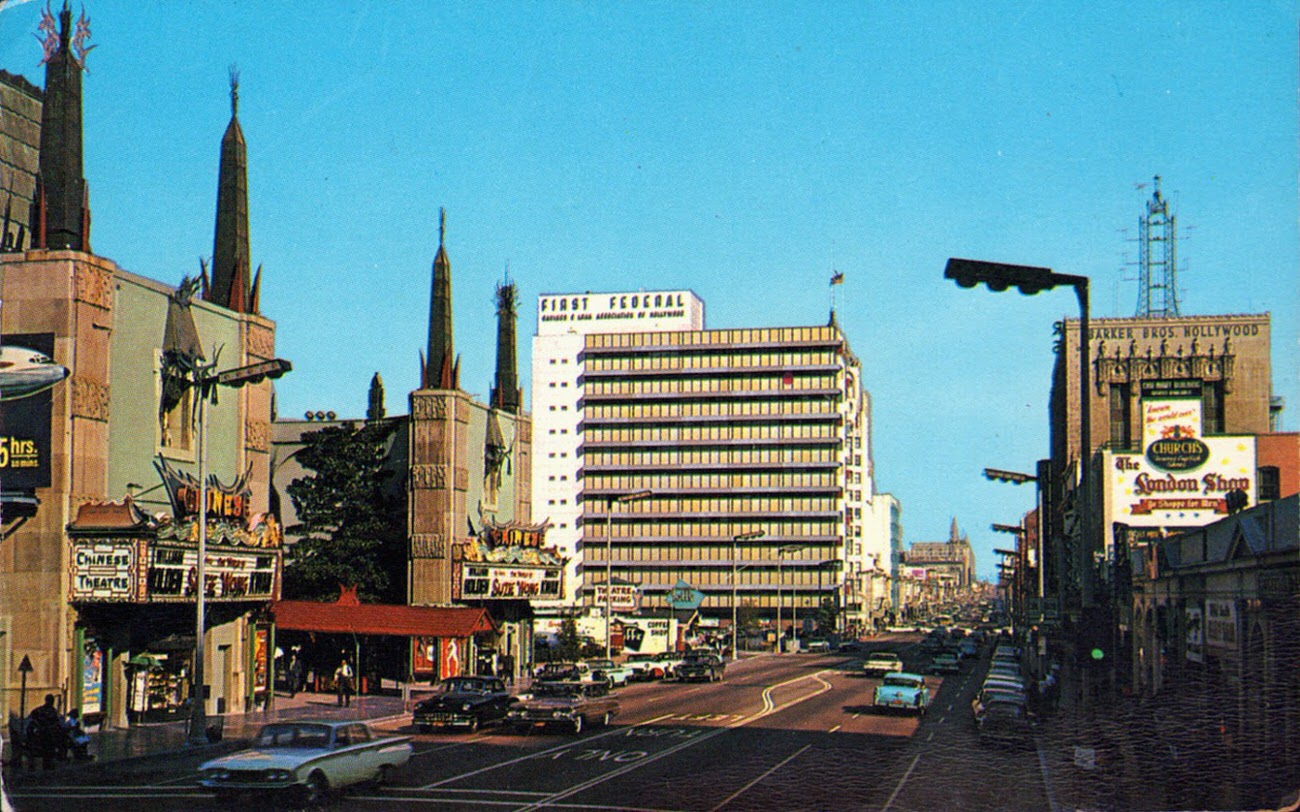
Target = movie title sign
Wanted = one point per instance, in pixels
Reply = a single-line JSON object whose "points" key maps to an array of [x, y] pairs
{"points": [[496, 582], [228, 575]]}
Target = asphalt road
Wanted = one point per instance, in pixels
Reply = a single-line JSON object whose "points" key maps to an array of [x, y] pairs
{"points": [[779, 733]]}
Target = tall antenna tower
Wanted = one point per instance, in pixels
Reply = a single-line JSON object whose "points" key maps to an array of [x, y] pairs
{"points": [[1157, 263]]}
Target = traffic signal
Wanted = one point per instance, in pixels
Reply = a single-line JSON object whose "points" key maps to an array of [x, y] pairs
{"points": [[999, 276]]}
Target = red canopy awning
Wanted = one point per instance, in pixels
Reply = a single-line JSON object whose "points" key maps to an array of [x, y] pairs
{"points": [[382, 619]]}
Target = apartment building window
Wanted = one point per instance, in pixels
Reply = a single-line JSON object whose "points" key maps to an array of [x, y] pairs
{"points": [[1121, 436], [1269, 482], [1212, 406]]}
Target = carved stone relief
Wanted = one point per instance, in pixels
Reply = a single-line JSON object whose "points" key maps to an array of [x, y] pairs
{"points": [[89, 399], [428, 545]]}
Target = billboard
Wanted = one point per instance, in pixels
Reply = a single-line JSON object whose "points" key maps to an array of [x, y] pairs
{"points": [[1180, 479], [27, 375]]}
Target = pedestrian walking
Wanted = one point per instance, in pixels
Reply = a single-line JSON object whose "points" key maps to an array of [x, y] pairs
{"points": [[295, 675], [343, 683]]}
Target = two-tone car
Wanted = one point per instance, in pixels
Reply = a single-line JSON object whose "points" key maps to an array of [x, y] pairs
{"points": [[645, 667], [466, 702], [609, 672], [570, 705], [880, 663], [901, 691], [705, 667], [305, 760]]}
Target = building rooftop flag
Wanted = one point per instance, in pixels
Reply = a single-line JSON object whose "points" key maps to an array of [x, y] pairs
{"points": [[837, 278]]}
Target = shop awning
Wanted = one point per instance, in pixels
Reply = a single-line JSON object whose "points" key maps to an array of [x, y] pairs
{"points": [[352, 617]]}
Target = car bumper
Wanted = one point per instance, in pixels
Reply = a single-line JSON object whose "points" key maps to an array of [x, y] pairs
{"points": [[444, 719]]}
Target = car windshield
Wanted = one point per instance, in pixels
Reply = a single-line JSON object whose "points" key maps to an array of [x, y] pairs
{"points": [[462, 686], [899, 681], [295, 735]]}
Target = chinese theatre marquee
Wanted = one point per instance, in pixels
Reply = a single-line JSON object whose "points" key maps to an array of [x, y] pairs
{"points": [[122, 554], [507, 562]]}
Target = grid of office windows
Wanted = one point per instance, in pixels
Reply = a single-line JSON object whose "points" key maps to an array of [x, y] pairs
{"points": [[721, 433]]}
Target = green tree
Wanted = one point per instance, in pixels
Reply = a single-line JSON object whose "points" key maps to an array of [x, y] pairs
{"points": [[828, 615], [351, 527]]}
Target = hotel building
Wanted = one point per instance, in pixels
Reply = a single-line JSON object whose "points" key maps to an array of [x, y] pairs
{"points": [[731, 432]]}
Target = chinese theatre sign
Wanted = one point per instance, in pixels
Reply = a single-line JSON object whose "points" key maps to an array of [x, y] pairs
{"points": [[1181, 479], [507, 562]]}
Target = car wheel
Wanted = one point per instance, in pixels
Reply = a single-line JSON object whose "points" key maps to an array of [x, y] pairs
{"points": [[381, 776], [314, 789], [577, 724], [424, 728]]}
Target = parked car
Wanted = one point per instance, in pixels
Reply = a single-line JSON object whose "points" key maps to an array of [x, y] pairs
{"points": [[968, 648], [306, 759], [945, 662], [902, 691], [609, 672], [1006, 722], [564, 704], [646, 666], [994, 693], [707, 667], [818, 647], [468, 702], [879, 663], [670, 660]]}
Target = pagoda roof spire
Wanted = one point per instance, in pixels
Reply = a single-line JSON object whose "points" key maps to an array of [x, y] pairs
{"points": [[60, 213], [441, 368], [231, 283]]}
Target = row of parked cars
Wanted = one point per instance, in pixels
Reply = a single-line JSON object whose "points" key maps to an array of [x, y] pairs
{"points": [[1001, 709]]}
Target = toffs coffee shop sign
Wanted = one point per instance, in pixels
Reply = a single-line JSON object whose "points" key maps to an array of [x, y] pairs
{"points": [[120, 553], [1181, 479]]}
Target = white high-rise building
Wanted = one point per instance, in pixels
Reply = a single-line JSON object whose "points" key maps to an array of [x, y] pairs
{"points": [[563, 321]]}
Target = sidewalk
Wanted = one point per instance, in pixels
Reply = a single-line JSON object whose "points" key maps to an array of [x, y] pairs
{"points": [[125, 750]]}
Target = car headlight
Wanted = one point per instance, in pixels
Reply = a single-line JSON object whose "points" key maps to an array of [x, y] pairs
{"points": [[279, 775], [216, 774], [515, 713], [465, 708]]}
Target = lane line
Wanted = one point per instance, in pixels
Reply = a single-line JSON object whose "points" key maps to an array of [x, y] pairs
{"points": [[1047, 778], [832, 730], [568, 745], [901, 782], [747, 787]]}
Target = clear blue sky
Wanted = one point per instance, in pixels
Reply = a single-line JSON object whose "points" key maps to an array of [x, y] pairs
{"points": [[742, 150]]}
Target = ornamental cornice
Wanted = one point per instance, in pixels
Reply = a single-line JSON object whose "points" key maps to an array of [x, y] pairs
{"points": [[428, 407], [428, 545]]}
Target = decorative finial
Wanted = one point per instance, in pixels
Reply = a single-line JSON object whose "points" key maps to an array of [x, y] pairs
{"points": [[442, 226], [234, 90]]}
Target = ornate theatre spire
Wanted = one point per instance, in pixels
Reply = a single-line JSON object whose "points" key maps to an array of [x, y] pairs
{"points": [[442, 367], [229, 286], [376, 409], [505, 390], [61, 204]]}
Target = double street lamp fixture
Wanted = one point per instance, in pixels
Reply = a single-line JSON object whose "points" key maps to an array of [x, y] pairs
{"points": [[206, 384], [968, 273], [794, 603], [610, 500], [735, 640]]}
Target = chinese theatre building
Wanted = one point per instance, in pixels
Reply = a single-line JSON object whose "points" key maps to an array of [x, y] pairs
{"points": [[97, 567], [464, 471]]}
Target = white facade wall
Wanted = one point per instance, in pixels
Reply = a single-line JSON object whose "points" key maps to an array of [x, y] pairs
{"points": [[563, 319]]}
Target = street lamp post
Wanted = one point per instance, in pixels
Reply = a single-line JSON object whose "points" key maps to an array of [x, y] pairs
{"points": [[735, 640], [794, 606], [1030, 280], [205, 384], [610, 499]]}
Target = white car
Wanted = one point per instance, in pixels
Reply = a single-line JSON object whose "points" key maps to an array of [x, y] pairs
{"points": [[609, 672], [306, 760]]}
